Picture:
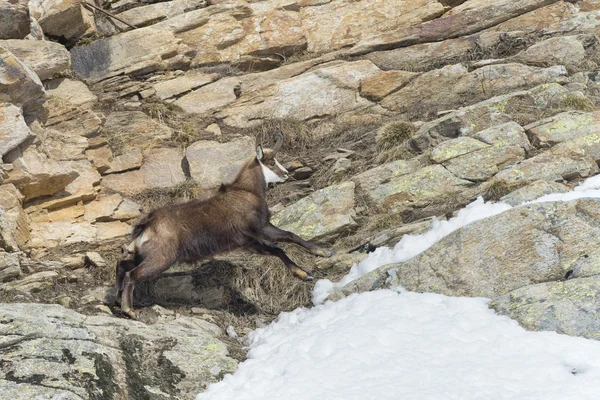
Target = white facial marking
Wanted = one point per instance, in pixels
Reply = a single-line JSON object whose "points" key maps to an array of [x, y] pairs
{"points": [[270, 176], [280, 167], [140, 240]]}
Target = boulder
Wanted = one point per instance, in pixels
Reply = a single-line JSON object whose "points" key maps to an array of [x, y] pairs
{"points": [[33, 283], [245, 35], [130, 131], [466, 121], [558, 17], [563, 127], [64, 354], [455, 148], [10, 266], [481, 165], [149, 14], [541, 242], [568, 308], [83, 188], [555, 165], [14, 19], [507, 134], [37, 175], [75, 93], [421, 57], [176, 87], [15, 229], [373, 178], [212, 163], [60, 146], [377, 87], [325, 91], [13, 129], [470, 17], [533, 191], [453, 85], [432, 184], [20, 85], [72, 120], [220, 93], [144, 49], [132, 159], [323, 215], [66, 19], [43, 57], [162, 168], [569, 51], [100, 158], [334, 25]]}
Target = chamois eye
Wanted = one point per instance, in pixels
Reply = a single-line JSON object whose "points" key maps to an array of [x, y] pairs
{"points": [[272, 163]]}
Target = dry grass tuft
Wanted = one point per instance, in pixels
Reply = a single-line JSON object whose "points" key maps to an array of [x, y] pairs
{"points": [[392, 140], [573, 101], [268, 285], [495, 189], [159, 197]]}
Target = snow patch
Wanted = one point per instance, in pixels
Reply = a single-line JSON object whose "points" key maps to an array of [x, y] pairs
{"points": [[411, 346]]}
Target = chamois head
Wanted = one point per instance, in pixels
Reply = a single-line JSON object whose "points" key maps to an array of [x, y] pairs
{"points": [[272, 170]]}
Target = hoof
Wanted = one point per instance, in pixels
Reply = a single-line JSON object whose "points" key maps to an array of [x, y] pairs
{"points": [[324, 253], [131, 314], [308, 278]]}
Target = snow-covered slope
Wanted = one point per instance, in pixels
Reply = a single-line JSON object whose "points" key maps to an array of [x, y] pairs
{"points": [[401, 345]]}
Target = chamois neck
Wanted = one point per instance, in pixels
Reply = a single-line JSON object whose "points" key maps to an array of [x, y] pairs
{"points": [[251, 179]]}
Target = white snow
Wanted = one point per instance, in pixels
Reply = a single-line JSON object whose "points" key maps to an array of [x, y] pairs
{"points": [[422, 346], [410, 346]]}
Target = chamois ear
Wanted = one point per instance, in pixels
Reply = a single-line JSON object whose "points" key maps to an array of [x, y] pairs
{"points": [[259, 153]]}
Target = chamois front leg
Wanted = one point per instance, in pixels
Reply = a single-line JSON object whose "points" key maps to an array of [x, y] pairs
{"points": [[268, 248], [275, 234]]}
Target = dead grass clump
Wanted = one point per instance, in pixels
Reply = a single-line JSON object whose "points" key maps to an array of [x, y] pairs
{"points": [[495, 189], [159, 197], [268, 285], [392, 141], [577, 102], [186, 128], [298, 135]]}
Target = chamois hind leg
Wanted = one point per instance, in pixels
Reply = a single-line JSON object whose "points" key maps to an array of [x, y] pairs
{"points": [[123, 267], [276, 234], [267, 248], [151, 266]]}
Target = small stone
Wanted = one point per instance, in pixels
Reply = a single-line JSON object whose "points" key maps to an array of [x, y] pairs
{"points": [[214, 129], [93, 259], [101, 308], [64, 301], [341, 166], [293, 165], [302, 173]]}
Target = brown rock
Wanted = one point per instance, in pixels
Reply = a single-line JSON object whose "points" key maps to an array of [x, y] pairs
{"points": [[44, 57], [100, 158], [377, 87], [333, 25], [212, 163], [14, 19], [15, 233], [471, 17], [19, 84], [13, 129], [161, 169], [66, 19], [132, 159]]}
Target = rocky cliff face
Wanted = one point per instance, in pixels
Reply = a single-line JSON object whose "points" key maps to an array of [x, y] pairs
{"points": [[394, 112]]}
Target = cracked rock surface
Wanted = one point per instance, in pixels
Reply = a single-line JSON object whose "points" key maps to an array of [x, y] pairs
{"points": [[48, 351]]}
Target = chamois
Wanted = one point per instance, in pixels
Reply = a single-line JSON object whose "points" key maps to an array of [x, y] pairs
{"points": [[235, 217]]}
